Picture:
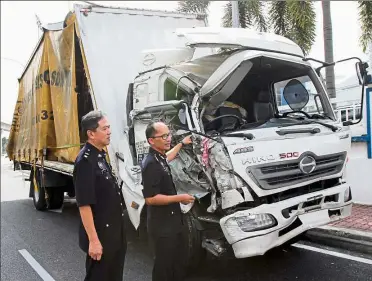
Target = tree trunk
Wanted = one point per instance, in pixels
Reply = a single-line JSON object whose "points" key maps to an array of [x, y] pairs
{"points": [[235, 14], [370, 56], [328, 48]]}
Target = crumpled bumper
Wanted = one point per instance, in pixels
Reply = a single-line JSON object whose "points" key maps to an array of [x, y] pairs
{"points": [[293, 216]]}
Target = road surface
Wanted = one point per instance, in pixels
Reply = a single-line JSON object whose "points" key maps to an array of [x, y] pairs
{"points": [[44, 246]]}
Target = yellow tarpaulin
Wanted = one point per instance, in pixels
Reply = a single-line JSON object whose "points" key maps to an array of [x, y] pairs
{"points": [[46, 111]]}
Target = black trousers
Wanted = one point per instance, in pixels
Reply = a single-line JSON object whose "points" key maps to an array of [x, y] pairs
{"points": [[109, 268], [169, 257]]}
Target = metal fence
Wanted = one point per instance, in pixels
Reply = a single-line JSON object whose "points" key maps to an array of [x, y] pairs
{"points": [[348, 110]]}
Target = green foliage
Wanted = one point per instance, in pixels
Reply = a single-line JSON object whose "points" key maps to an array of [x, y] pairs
{"points": [[250, 15], [193, 6], [292, 19], [365, 18], [302, 23], [278, 14]]}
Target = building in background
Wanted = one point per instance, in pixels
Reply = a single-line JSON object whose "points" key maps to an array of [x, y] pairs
{"points": [[4, 136]]}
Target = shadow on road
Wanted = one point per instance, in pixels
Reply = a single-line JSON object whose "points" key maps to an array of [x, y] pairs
{"points": [[43, 229]]}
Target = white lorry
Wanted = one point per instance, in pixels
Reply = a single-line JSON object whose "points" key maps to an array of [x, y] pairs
{"points": [[268, 156]]}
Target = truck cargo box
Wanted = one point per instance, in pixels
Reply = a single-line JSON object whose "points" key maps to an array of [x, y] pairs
{"points": [[85, 62]]}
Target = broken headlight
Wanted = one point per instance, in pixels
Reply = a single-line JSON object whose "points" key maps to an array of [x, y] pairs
{"points": [[252, 222]]}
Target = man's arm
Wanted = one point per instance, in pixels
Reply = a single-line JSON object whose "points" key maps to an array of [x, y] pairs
{"points": [[87, 219], [171, 154], [161, 199], [151, 176], [85, 197], [95, 247]]}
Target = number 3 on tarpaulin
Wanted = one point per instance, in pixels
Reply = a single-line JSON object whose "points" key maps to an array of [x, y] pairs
{"points": [[45, 115]]}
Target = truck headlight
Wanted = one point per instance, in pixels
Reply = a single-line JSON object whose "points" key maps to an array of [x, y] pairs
{"points": [[347, 194], [252, 222]]}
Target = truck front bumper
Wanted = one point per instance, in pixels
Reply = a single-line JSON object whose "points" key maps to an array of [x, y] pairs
{"points": [[290, 218]]}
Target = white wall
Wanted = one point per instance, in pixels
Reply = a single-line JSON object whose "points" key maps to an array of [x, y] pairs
{"points": [[359, 170], [359, 174]]}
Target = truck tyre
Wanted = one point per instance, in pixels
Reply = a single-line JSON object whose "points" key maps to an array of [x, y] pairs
{"points": [[56, 197], [38, 193], [195, 254], [71, 194]]}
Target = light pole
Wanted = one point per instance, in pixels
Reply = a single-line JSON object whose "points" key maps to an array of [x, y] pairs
{"points": [[235, 14], [370, 56]]}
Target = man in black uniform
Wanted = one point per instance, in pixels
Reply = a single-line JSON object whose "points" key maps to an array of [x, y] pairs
{"points": [[101, 204], [164, 217]]}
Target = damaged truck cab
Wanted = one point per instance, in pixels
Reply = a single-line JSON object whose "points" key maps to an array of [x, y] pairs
{"points": [[268, 156]]}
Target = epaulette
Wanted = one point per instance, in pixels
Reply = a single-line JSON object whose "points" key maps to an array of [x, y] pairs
{"points": [[146, 160], [86, 154]]}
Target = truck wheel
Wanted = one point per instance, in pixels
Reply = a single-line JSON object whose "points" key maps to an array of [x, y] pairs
{"points": [[38, 193], [71, 194], [56, 197], [195, 254]]}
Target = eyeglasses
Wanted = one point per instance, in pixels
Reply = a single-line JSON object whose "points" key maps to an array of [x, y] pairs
{"points": [[164, 137]]}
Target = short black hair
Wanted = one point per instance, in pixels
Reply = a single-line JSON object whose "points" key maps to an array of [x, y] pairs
{"points": [[90, 121], [150, 130]]}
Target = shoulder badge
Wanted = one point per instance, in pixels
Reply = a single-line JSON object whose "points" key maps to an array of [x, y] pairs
{"points": [[86, 153], [101, 166]]}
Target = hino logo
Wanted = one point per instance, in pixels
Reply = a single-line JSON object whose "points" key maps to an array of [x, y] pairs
{"points": [[307, 165], [149, 59], [258, 159]]}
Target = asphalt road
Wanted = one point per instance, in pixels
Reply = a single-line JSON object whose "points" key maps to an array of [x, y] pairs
{"points": [[51, 239]]}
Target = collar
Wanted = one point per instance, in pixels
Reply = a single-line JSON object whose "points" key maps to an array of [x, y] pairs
{"points": [[94, 150], [158, 154]]}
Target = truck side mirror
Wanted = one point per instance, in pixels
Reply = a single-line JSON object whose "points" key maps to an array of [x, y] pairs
{"points": [[129, 103], [364, 80], [182, 116], [368, 79], [361, 71], [347, 123]]}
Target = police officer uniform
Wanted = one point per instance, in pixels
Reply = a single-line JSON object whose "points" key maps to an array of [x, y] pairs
{"points": [[95, 185], [164, 223]]}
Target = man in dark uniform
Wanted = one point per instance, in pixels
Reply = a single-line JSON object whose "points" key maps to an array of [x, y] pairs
{"points": [[101, 204], [164, 217]]}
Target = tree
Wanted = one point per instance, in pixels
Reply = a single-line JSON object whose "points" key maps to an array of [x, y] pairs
{"points": [[292, 19], [365, 19], [193, 6], [250, 14], [328, 48]]}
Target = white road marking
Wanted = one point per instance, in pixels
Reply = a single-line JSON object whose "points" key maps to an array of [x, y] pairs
{"points": [[36, 266], [331, 253]]}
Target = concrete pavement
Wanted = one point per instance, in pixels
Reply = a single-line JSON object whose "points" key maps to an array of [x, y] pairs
{"points": [[360, 219], [351, 233]]}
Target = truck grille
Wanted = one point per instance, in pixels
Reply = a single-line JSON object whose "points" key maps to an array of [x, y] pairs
{"points": [[303, 169]]}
